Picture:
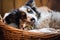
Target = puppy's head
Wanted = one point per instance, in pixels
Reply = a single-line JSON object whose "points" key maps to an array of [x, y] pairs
{"points": [[30, 12], [23, 16], [31, 15]]}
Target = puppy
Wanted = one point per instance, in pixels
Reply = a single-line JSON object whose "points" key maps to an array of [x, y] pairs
{"points": [[22, 17]]}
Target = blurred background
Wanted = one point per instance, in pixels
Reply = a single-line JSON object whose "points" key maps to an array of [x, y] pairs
{"points": [[8, 5]]}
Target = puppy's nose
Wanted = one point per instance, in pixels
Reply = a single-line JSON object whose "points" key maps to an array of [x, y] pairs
{"points": [[32, 19]]}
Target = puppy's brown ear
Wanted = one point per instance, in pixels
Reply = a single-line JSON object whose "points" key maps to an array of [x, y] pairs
{"points": [[30, 3]]}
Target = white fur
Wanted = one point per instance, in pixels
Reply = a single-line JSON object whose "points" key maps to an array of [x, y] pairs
{"points": [[45, 18], [48, 16], [56, 16], [45, 30], [6, 14]]}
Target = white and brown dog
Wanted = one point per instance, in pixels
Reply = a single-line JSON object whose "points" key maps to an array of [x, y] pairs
{"points": [[28, 17], [23, 17]]}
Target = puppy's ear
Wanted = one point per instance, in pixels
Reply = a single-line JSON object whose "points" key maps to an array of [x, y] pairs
{"points": [[30, 3]]}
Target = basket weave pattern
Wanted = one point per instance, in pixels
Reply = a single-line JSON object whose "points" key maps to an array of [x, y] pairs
{"points": [[11, 33]]}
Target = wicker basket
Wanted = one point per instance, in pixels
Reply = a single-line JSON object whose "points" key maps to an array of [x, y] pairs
{"points": [[11, 33]]}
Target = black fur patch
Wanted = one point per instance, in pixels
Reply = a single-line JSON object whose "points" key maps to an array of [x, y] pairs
{"points": [[15, 16]]}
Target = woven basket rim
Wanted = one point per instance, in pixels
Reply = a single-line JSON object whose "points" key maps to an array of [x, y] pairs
{"points": [[27, 33]]}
